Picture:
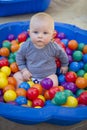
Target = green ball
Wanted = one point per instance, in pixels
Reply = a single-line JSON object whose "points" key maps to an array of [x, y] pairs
{"points": [[80, 46], [60, 98], [68, 93], [6, 44], [85, 67], [11, 60], [77, 55], [79, 91], [80, 73], [11, 56]]}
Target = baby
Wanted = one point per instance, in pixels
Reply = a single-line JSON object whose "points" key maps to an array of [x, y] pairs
{"points": [[36, 58]]}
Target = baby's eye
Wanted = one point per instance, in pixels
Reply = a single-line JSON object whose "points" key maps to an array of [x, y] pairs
{"points": [[35, 32], [45, 32]]}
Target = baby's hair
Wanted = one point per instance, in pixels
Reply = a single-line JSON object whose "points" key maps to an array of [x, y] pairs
{"points": [[42, 16]]}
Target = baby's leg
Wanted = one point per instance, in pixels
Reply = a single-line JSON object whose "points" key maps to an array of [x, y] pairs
{"points": [[19, 78], [54, 78]]}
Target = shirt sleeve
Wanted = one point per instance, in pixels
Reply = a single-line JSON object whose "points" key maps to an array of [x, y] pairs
{"points": [[21, 56], [60, 53]]}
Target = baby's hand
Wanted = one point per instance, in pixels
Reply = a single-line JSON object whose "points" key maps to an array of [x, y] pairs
{"points": [[26, 74], [64, 70]]}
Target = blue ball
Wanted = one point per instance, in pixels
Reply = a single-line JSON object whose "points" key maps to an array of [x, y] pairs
{"points": [[65, 41], [74, 66], [81, 63], [85, 58], [61, 78], [24, 85], [20, 100]]}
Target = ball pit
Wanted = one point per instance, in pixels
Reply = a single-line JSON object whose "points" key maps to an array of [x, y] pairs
{"points": [[47, 111], [15, 7]]}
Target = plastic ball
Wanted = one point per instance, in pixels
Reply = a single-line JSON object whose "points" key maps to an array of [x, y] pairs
{"points": [[6, 44], [31, 83], [4, 62], [81, 82], [70, 76], [71, 86], [32, 93], [83, 98], [72, 44], [79, 91], [8, 87], [6, 70], [46, 95], [81, 64], [85, 49], [41, 97], [69, 51], [37, 102], [65, 41], [85, 58], [60, 98], [39, 87], [85, 67], [61, 78], [77, 55], [46, 83], [21, 92], [68, 93], [11, 37], [22, 37], [85, 76], [80, 73], [3, 82], [1, 92], [14, 67], [3, 75], [53, 91], [1, 99], [80, 46], [24, 85], [61, 35], [14, 47], [20, 100], [9, 95], [12, 81], [29, 103], [4, 52], [71, 102], [74, 66], [70, 58]]}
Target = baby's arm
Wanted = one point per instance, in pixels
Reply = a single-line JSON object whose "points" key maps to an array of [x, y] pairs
{"points": [[21, 61]]}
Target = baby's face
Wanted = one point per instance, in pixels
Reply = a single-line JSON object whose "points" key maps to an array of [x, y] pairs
{"points": [[41, 33]]}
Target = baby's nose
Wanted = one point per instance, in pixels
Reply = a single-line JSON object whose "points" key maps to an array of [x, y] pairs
{"points": [[40, 35]]}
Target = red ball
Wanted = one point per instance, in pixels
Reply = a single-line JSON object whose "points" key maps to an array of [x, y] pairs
{"points": [[83, 98], [4, 62], [32, 93], [70, 76], [37, 102], [22, 37], [53, 91]]}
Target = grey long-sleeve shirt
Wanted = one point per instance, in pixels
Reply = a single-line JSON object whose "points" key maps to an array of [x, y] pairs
{"points": [[40, 62]]}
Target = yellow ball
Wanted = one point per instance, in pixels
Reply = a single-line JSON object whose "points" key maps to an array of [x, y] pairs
{"points": [[3, 75], [9, 95], [41, 97], [85, 75], [71, 102], [29, 103], [31, 83], [3, 82], [6, 70], [38, 107]]}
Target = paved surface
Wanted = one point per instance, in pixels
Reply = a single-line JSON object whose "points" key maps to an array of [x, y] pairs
{"points": [[67, 11]]}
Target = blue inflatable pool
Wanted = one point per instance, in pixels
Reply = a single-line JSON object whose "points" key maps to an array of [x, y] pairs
{"points": [[15, 7], [49, 113]]}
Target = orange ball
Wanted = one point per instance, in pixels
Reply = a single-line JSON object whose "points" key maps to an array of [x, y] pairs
{"points": [[21, 92], [14, 47], [81, 82], [4, 51], [46, 95], [12, 81], [14, 67], [73, 44], [9, 87], [14, 42], [85, 49], [39, 87], [61, 88]]}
